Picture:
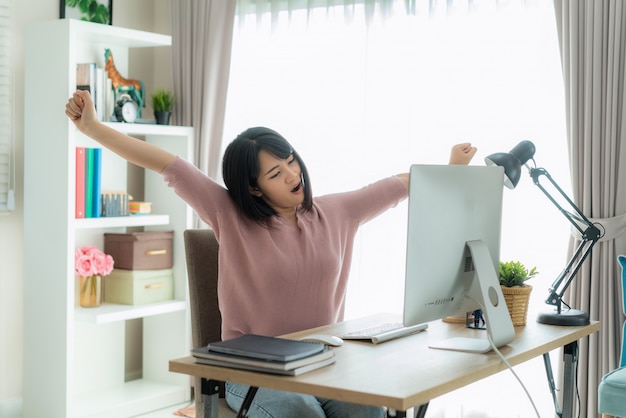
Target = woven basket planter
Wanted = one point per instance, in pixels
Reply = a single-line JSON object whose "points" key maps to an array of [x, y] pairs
{"points": [[517, 298]]}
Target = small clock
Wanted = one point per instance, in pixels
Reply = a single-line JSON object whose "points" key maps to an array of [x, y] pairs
{"points": [[125, 109]]}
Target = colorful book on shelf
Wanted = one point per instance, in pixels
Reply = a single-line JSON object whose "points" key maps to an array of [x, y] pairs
{"points": [[86, 77], [99, 96], [88, 182], [95, 80], [96, 184], [266, 348], [80, 182]]}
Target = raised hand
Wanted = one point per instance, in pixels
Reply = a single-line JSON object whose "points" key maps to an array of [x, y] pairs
{"points": [[81, 110], [462, 154]]}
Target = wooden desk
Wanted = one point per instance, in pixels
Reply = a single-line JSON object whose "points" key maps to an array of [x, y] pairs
{"points": [[402, 373]]}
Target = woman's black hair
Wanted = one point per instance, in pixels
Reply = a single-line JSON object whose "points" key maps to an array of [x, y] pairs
{"points": [[240, 170]]}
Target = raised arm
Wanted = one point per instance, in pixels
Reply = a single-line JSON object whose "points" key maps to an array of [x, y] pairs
{"points": [[80, 109], [460, 154]]}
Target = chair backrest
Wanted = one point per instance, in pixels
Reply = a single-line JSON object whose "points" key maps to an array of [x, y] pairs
{"points": [[201, 251]]}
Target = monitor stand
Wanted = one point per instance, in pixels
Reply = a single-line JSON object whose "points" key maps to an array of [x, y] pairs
{"points": [[485, 289]]}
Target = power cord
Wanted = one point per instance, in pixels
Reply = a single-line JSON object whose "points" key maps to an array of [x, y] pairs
{"points": [[577, 391], [508, 365]]}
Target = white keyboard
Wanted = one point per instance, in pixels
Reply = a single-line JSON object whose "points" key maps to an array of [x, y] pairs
{"points": [[385, 332]]}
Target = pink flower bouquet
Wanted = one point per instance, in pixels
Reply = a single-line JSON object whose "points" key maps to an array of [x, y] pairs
{"points": [[90, 261], [90, 265]]}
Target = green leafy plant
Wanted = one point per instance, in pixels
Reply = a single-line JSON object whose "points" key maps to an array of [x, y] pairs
{"points": [[162, 100], [514, 273], [92, 10]]}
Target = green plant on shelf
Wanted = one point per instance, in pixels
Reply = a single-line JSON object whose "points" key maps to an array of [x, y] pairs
{"points": [[162, 100]]}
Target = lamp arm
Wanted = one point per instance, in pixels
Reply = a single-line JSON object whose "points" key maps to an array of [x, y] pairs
{"points": [[589, 236], [562, 282]]}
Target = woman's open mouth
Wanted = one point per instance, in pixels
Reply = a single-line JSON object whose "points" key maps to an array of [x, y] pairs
{"points": [[297, 188]]}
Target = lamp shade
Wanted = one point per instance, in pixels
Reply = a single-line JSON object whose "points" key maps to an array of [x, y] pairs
{"points": [[512, 162]]}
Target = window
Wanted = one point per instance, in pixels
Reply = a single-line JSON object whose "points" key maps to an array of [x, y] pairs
{"points": [[362, 95], [7, 176]]}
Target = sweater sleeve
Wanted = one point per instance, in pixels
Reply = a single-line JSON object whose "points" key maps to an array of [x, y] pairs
{"points": [[209, 199], [370, 201]]}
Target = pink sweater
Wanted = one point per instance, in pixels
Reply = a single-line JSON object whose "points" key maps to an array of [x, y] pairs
{"points": [[278, 280]]}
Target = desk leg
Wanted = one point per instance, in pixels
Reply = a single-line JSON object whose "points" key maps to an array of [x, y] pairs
{"points": [[570, 359], [419, 412], [550, 376], [210, 389], [245, 406]]}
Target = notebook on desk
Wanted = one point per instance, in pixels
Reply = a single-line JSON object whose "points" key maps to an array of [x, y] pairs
{"points": [[266, 348], [385, 332]]}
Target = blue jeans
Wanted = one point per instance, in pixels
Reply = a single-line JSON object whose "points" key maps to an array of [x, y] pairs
{"points": [[278, 404]]}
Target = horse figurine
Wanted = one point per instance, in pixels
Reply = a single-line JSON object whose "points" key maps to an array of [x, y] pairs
{"points": [[134, 88]]}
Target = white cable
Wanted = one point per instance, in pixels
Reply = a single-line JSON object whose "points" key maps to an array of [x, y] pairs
{"points": [[508, 365]]}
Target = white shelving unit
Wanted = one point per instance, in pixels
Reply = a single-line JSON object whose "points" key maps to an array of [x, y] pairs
{"points": [[74, 358]]}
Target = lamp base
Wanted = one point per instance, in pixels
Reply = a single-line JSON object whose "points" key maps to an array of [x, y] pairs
{"points": [[568, 318]]}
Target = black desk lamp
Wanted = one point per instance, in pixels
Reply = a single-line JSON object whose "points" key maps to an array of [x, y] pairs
{"points": [[590, 233]]}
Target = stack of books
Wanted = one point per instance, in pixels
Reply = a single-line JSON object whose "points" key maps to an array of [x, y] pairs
{"points": [[96, 81], [88, 183], [266, 354]]}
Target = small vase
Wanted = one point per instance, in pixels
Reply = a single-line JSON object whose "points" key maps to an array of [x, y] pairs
{"points": [[162, 118], [517, 299], [90, 291]]}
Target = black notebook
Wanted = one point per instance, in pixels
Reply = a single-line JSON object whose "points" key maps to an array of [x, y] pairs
{"points": [[291, 368], [263, 368], [266, 348]]}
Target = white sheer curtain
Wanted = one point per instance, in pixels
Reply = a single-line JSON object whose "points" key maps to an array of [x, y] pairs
{"points": [[364, 90], [362, 97]]}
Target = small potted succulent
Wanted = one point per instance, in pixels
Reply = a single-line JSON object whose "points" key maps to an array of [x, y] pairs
{"points": [[513, 277], [162, 103]]}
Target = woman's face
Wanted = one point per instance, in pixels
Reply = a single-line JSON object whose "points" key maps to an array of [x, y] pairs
{"points": [[279, 182]]}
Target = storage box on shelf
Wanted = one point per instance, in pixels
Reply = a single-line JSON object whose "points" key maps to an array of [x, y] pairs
{"points": [[143, 272], [82, 372], [140, 250], [139, 287]]}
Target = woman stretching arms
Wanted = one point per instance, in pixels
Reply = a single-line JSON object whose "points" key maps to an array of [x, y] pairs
{"points": [[284, 256]]}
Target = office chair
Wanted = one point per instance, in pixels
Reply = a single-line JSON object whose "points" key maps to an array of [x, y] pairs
{"points": [[201, 249], [612, 388]]}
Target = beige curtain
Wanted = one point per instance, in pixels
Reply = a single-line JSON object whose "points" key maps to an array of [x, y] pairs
{"points": [[592, 37], [202, 33]]}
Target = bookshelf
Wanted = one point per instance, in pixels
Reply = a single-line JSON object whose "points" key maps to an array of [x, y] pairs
{"points": [[74, 358]]}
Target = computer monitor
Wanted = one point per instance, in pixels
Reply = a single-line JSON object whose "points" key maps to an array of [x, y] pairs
{"points": [[453, 250]]}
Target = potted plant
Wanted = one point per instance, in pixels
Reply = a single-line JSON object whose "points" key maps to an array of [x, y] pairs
{"points": [[162, 104], [513, 277]]}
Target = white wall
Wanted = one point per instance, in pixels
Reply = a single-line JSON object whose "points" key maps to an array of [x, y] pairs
{"points": [[149, 15]]}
